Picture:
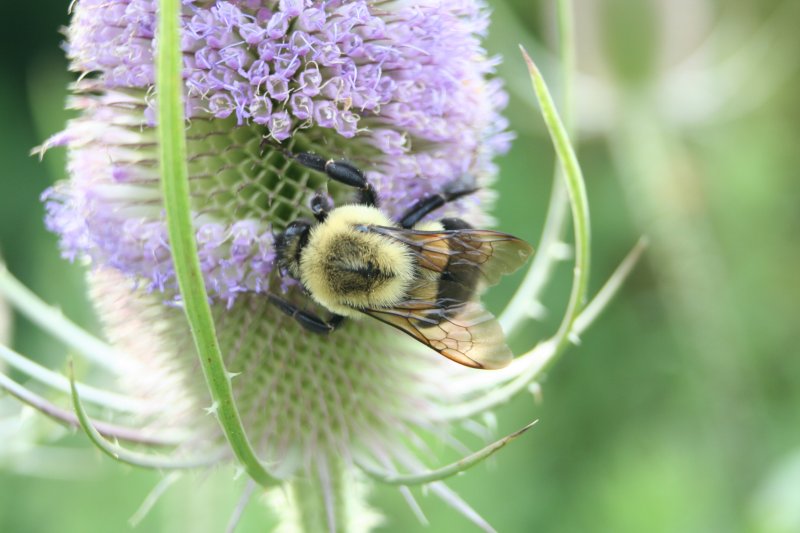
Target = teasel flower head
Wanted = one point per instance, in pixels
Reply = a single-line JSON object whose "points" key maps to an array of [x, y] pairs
{"points": [[401, 88]]}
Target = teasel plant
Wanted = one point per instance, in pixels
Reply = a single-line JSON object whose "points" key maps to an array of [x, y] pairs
{"points": [[173, 200]]}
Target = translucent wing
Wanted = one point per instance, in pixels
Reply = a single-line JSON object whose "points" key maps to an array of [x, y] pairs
{"points": [[440, 310], [491, 253], [462, 331]]}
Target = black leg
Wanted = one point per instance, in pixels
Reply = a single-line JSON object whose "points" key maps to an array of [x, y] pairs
{"points": [[454, 223], [309, 321], [341, 171], [428, 204]]}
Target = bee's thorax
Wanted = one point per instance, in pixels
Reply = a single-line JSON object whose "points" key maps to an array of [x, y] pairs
{"points": [[346, 268]]}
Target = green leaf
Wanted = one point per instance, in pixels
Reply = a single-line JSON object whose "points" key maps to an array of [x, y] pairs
{"points": [[579, 202]]}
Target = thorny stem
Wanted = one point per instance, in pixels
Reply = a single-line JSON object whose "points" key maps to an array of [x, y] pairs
{"points": [[175, 187], [141, 460]]}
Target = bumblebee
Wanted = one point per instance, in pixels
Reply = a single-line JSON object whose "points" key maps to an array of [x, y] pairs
{"points": [[422, 278]]}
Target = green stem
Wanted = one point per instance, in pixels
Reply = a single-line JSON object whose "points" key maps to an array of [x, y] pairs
{"points": [[138, 459], [175, 186]]}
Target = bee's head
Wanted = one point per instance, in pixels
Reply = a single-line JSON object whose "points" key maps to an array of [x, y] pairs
{"points": [[289, 245]]}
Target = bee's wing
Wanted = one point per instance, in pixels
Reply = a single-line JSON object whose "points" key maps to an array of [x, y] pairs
{"points": [[441, 313], [462, 331], [492, 253]]}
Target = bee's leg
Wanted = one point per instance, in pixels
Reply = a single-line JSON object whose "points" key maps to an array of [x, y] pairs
{"points": [[309, 321], [341, 171], [454, 223], [427, 204]]}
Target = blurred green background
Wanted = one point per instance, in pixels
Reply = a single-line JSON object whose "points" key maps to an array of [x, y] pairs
{"points": [[679, 410]]}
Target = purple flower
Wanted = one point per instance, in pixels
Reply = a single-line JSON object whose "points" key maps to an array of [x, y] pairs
{"points": [[402, 86]]}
